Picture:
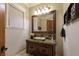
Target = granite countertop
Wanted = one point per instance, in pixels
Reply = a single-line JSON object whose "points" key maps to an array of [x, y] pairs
{"points": [[46, 41]]}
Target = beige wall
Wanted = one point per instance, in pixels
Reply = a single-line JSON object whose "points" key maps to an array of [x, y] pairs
{"points": [[65, 6], [16, 38], [59, 22]]}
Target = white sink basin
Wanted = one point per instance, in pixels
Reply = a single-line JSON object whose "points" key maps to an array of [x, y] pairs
{"points": [[39, 38]]}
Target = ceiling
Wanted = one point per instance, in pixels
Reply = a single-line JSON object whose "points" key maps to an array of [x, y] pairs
{"points": [[30, 4]]}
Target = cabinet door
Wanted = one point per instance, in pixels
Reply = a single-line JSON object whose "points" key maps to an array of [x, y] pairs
{"points": [[46, 50], [33, 48]]}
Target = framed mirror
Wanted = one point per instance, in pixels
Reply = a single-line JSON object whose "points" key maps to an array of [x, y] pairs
{"points": [[44, 23]]}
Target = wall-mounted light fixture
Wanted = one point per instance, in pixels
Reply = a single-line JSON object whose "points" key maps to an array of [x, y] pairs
{"points": [[42, 10]]}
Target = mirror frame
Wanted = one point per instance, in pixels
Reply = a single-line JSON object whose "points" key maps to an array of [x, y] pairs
{"points": [[54, 17]]}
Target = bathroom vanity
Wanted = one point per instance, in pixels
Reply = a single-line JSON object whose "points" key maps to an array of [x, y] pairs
{"points": [[43, 30], [40, 48]]}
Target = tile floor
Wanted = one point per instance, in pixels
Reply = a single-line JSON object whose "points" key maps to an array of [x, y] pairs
{"points": [[23, 53]]}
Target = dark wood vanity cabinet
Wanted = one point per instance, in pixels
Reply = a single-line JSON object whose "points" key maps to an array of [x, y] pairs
{"points": [[40, 49]]}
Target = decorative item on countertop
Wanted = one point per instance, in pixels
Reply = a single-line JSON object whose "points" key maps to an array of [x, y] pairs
{"points": [[32, 35]]}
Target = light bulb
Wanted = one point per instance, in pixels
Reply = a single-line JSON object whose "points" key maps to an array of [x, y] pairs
{"points": [[38, 12], [43, 11], [46, 9], [35, 12]]}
